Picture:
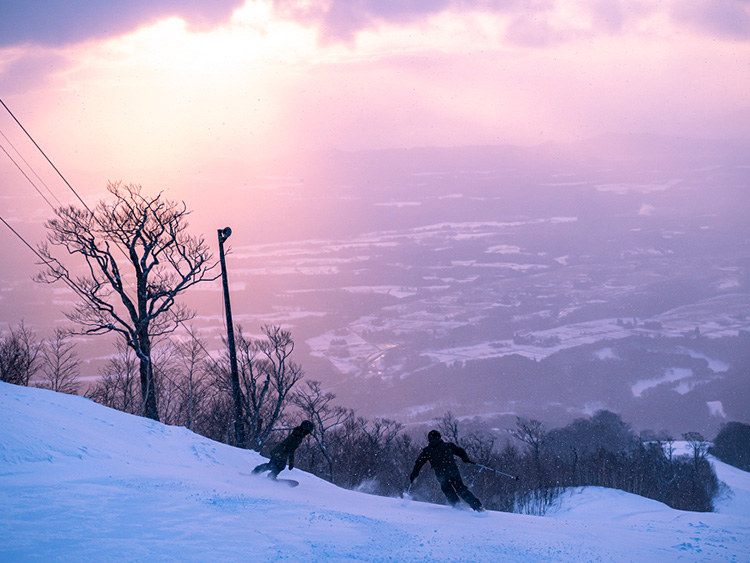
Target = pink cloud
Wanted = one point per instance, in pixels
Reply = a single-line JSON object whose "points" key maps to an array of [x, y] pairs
{"points": [[725, 18], [61, 22], [341, 20]]}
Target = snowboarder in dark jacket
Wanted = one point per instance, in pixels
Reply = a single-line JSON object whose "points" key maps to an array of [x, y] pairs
{"points": [[283, 452], [440, 455]]}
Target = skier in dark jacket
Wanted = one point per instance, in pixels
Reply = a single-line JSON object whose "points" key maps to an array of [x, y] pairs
{"points": [[283, 452], [440, 455]]}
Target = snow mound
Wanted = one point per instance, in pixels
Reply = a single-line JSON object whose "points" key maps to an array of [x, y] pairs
{"points": [[587, 503], [80, 482]]}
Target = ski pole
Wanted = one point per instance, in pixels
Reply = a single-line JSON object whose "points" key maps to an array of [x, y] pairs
{"points": [[407, 494], [515, 477]]}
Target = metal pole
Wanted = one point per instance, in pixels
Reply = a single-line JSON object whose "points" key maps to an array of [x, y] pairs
{"points": [[514, 477], [239, 432]]}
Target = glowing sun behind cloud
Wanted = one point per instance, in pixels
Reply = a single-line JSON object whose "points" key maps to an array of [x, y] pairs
{"points": [[164, 97], [167, 99]]}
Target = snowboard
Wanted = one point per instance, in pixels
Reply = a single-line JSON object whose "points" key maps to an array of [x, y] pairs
{"points": [[291, 483], [288, 482]]}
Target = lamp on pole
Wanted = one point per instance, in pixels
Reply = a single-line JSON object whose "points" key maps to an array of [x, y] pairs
{"points": [[239, 433]]}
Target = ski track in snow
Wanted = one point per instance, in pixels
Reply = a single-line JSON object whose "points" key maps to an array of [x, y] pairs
{"points": [[81, 482]]}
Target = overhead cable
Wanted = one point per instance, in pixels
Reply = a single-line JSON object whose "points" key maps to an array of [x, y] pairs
{"points": [[27, 177], [23, 240], [7, 140], [45, 156]]}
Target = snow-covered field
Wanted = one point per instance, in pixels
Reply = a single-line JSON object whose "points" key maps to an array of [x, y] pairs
{"points": [[81, 482], [718, 317]]}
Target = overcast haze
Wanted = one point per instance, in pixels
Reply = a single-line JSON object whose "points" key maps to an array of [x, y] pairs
{"points": [[576, 172], [133, 86]]}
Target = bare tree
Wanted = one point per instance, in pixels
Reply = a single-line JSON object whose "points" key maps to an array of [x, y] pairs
{"points": [[529, 431], [317, 407], [60, 366], [532, 433], [669, 447], [698, 446], [375, 466], [117, 386], [19, 355], [267, 375], [138, 259], [189, 381], [448, 427], [479, 445]]}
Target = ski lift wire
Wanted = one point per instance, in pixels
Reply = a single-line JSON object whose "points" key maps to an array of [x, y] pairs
{"points": [[26, 176], [45, 156], [30, 167]]}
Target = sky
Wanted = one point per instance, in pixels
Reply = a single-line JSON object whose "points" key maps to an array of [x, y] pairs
{"points": [[82, 482], [148, 90]]}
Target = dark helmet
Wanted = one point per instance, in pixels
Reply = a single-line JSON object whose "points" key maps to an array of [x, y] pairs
{"points": [[307, 426], [433, 435]]}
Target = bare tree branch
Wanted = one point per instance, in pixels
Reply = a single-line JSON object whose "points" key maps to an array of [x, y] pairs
{"points": [[138, 258]]}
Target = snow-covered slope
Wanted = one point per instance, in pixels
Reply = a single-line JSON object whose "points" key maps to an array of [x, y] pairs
{"points": [[80, 482]]}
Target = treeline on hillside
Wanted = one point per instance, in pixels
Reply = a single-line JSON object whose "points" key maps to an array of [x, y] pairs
{"points": [[195, 390], [377, 456], [732, 445]]}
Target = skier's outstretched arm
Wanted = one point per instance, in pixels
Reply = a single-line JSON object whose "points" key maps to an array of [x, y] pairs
{"points": [[460, 452]]}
